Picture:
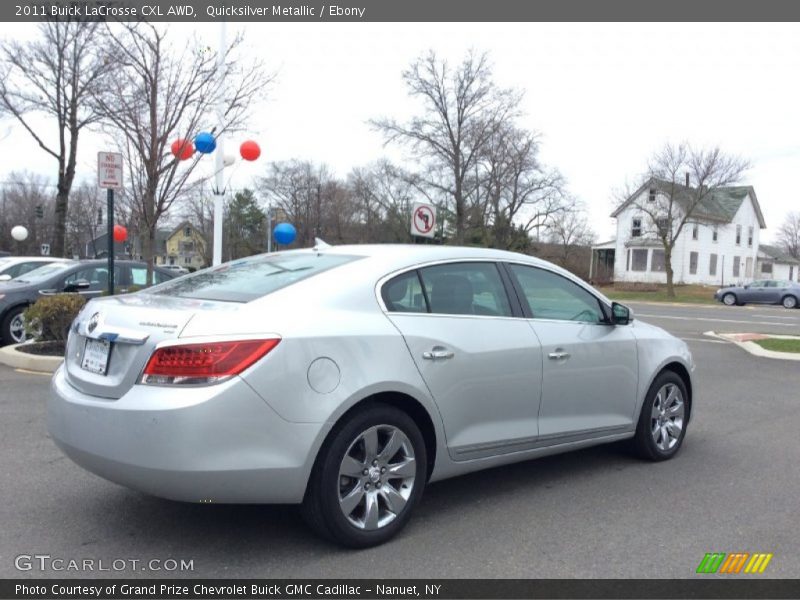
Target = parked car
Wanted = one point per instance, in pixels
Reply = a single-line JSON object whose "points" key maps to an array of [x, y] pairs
{"points": [[16, 266], [347, 378], [763, 291], [177, 268], [88, 278]]}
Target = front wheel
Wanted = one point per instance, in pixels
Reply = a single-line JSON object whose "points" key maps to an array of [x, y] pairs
{"points": [[729, 299], [368, 477], [13, 327], [789, 302], [663, 420]]}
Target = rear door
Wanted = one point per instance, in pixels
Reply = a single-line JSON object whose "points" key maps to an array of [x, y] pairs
{"points": [[480, 361], [590, 372]]}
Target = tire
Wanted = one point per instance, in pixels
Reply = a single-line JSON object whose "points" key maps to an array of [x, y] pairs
{"points": [[655, 439], [729, 299], [355, 502], [9, 327], [789, 301]]}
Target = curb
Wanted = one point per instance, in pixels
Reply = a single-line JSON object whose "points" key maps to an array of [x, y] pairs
{"points": [[754, 348], [11, 357]]}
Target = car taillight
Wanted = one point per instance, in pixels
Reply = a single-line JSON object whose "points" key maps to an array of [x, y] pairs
{"points": [[209, 362]]}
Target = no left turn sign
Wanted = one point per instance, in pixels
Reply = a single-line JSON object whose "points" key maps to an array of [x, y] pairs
{"points": [[423, 220]]}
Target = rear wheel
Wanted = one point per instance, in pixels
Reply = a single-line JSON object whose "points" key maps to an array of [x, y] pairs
{"points": [[12, 329], [368, 477], [729, 299], [663, 420], [789, 302]]}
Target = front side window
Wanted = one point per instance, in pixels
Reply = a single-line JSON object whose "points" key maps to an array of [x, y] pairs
{"points": [[551, 296], [639, 260], [466, 289]]}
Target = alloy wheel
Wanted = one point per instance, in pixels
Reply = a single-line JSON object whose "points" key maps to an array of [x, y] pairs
{"points": [[729, 299], [789, 302], [17, 329], [667, 417], [376, 477]]}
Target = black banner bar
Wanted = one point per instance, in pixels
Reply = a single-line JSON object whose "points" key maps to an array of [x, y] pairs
{"points": [[401, 11], [443, 589]]}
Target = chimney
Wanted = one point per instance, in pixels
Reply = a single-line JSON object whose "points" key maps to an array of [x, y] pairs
{"points": [[687, 178]]}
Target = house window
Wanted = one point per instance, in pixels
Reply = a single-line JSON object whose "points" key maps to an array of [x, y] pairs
{"points": [[712, 265], [695, 231], [714, 234], [693, 263], [663, 226], [766, 268], [187, 260], [636, 227], [748, 267], [738, 235], [187, 247], [187, 231], [652, 195], [750, 237], [639, 260], [737, 265], [657, 262]]}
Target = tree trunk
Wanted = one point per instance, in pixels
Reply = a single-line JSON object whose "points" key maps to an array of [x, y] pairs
{"points": [[62, 203], [668, 269]]}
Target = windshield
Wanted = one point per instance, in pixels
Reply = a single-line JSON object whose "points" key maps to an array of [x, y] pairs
{"points": [[42, 273], [250, 278]]}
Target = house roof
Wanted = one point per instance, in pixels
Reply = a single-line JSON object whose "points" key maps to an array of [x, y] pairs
{"points": [[777, 254], [720, 205]]}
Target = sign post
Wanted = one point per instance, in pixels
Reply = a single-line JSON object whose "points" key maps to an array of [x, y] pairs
{"points": [[109, 177], [423, 220]]}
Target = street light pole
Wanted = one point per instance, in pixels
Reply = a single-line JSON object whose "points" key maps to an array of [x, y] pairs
{"points": [[219, 155]]}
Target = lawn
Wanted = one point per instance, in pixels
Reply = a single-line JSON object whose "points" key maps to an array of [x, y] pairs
{"points": [[779, 344], [694, 294]]}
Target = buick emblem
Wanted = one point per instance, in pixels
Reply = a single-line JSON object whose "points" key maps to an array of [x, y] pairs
{"points": [[93, 321]]}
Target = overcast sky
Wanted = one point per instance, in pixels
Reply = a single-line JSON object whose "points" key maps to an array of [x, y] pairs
{"points": [[603, 96]]}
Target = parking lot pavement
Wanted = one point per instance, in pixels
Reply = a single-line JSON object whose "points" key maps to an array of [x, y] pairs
{"points": [[594, 513]]}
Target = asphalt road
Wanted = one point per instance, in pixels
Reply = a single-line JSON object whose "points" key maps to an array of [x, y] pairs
{"points": [[595, 513]]}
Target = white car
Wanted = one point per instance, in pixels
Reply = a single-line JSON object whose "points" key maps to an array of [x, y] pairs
{"points": [[14, 266], [176, 268], [347, 378]]}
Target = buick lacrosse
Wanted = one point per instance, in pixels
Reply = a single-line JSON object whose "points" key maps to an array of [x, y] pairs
{"points": [[347, 378]]}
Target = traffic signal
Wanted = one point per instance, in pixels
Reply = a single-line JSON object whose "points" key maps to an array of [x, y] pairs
{"points": [[39, 212], [99, 216]]}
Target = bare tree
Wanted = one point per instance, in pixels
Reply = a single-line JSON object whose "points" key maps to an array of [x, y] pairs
{"points": [[161, 94], [789, 234], [22, 195], [462, 110], [570, 229], [54, 75], [382, 195], [683, 179]]}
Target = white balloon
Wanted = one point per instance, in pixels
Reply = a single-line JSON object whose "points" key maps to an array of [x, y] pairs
{"points": [[229, 159], [19, 233]]}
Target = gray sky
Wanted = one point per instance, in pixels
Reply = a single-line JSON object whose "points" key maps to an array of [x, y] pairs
{"points": [[603, 96]]}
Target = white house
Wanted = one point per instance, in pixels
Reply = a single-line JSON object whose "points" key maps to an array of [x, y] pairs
{"points": [[774, 263], [717, 246]]}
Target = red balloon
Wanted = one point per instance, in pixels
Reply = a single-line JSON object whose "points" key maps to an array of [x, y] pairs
{"points": [[120, 233], [182, 149], [249, 150]]}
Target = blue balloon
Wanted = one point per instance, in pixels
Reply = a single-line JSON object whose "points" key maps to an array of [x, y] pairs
{"points": [[204, 142], [284, 233]]}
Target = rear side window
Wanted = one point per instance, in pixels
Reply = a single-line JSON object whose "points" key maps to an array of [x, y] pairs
{"points": [[404, 294], [250, 278]]}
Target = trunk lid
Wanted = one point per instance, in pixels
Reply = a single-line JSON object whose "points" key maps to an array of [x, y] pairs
{"points": [[132, 325]]}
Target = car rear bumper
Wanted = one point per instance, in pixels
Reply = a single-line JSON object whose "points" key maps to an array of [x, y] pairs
{"points": [[218, 443]]}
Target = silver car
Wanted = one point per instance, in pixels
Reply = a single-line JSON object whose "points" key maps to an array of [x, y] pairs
{"points": [[347, 378]]}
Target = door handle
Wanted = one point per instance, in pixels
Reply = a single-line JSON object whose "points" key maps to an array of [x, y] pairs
{"points": [[559, 354], [437, 353]]}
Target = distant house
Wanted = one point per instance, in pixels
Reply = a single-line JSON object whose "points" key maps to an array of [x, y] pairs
{"points": [[98, 248], [717, 246], [184, 246], [774, 263]]}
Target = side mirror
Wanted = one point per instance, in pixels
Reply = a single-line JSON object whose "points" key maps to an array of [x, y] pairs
{"points": [[620, 314], [5, 277], [78, 284]]}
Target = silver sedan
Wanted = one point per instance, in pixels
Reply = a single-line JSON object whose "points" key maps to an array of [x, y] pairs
{"points": [[346, 379]]}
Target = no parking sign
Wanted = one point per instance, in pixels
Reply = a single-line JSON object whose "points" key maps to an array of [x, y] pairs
{"points": [[423, 220]]}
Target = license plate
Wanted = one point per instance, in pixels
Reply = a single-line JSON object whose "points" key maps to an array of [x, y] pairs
{"points": [[95, 356]]}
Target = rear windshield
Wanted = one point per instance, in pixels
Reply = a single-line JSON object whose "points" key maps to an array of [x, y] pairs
{"points": [[250, 278]]}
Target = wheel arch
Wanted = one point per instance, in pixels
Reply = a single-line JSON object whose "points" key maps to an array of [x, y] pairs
{"points": [[681, 371]]}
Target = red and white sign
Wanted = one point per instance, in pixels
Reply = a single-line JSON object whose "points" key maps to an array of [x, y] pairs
{"points": [[109, 170], [423, 220]]}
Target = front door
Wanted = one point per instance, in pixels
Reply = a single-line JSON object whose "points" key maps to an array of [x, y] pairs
{"points": [[482, 366], [590, 372]]}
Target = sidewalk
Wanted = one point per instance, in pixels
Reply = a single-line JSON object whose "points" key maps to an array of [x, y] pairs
{"points": [[746, 341]]}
